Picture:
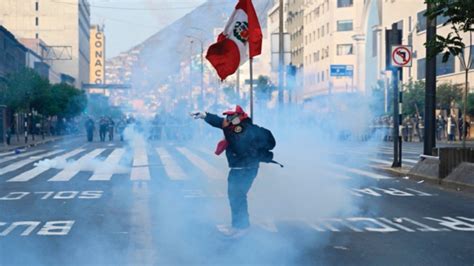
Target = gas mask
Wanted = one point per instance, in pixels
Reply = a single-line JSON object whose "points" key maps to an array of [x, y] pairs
{"points": [[234, 119]]}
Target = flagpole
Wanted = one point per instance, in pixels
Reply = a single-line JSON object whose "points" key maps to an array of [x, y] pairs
{"points": [[251, 87]]}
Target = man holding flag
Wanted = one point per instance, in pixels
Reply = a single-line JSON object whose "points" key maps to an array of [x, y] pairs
{"points": [[241, 39]]}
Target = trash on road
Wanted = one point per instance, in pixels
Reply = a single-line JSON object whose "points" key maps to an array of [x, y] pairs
{"points": [[341, 247], [421, 181], [406, 177]]}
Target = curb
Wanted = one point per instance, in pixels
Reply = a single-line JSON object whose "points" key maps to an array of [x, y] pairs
{"points": [[34, 144], [437, 181]]}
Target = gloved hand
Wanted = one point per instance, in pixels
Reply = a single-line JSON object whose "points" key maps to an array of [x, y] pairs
{"points": [[198, 115]]}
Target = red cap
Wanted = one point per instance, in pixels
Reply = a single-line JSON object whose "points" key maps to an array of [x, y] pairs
{"points": [[238, 110]]}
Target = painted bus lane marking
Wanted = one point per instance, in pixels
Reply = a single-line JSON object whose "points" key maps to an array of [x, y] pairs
{"points": [[51, 195], [391, 225], [379, 192], [26, 228]]}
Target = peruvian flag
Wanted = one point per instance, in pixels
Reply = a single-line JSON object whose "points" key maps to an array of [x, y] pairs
{"points": [[241, 39]]}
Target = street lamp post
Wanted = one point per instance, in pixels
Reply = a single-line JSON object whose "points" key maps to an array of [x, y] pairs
{"points": [[201, 101]]}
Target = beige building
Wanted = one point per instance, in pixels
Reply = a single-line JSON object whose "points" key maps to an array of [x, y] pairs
{"points": [[64, 25], [379, 16], [330, 38], [295, 26]]}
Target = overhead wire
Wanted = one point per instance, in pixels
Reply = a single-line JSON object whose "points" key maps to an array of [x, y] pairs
{"points": [[144, 8]]}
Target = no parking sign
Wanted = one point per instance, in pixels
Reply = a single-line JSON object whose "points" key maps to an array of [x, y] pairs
{"points": [[401, 56]]}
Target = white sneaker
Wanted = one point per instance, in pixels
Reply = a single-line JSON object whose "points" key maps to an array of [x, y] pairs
{"points": [[231, 232]]}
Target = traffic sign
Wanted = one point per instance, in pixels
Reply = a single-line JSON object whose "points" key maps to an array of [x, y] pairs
{"points": [[402, 55], [342, 70]]}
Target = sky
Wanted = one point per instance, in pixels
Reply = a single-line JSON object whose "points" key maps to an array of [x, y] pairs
{"points": [[130, 22]]}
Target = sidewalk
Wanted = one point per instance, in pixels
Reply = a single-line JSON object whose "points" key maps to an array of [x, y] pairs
{"points": [[405, 171], [15, 144]]}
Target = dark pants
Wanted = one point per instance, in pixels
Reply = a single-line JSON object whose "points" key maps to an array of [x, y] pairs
{"points": [[239, 183], [90, 135]]}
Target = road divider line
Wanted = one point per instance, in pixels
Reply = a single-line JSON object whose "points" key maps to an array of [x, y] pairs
{"points": [[20, 164], [173, 170], [209, 170], [28, 175], [112, 159], [21, 155], [70, 171], [359, 172]]}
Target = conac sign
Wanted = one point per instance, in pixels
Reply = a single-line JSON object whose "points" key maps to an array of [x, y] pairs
{"points": [[97, 57]]}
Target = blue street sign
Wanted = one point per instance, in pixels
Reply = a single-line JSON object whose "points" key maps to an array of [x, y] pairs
{"points": [[342, 70]]}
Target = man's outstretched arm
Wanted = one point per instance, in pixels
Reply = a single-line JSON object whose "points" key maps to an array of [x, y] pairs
{"points": [[211, 119]]}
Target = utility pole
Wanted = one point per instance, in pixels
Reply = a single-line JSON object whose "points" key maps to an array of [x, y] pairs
{"points": [[237, 86], [281, 58], [201, 104], [430, 92], [396, 110]]}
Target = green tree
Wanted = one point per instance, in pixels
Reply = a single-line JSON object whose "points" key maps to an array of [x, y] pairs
{"points": [[448, 94], [414, 97], [459, 16], [24, 89], [470, 102]]}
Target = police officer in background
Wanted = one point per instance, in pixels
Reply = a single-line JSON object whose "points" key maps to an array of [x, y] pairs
{"points": [[242, 144]]}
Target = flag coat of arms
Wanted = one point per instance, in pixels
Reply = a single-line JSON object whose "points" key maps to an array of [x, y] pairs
{"points": [[240, 40]]}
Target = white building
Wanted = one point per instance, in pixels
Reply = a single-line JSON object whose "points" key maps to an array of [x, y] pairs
{"points": [[64, 25], [330, 38]]}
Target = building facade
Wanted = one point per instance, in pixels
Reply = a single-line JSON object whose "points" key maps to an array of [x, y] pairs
{"points": [[64, 25], [12, 54], [330, 38], [412, 23]]}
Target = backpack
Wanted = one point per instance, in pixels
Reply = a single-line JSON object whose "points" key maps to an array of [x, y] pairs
{"points": [[266, 143]]}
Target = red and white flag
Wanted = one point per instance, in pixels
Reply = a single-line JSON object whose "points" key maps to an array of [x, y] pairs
{"points": [[241, 39]]}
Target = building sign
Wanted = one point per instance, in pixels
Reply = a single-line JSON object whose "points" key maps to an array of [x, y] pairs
{"points": [[342, 70], [97, 56]]}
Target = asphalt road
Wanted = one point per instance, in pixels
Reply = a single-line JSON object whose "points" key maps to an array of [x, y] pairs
{"points": [[162, 204]]}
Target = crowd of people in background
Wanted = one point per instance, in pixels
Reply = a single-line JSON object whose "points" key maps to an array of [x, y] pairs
{"points": [[107, 128], [162, 126], [412, 128]]}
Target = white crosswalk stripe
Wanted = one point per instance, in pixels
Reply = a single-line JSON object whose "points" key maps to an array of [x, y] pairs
{"points": [[173, 170], [28, 175], [359, 171], [20, 164], [112, 159], [209, 170], [140, 171], [18, 156], [69, 172]]}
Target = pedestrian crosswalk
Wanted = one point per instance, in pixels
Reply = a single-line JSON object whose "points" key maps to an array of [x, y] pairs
{"points": [[174, 163]]}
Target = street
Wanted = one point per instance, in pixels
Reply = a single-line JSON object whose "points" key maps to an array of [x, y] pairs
{"points": [[163, 203]]}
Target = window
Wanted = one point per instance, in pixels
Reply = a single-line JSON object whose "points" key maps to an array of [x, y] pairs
{"points": [[322, 75], [36, 21], [444, 68], [37, 36], [36, 6], [344, 3], [466, 56], [322, 31], [344, 25], [441, 68], [319, 33], [344, 49], [421, 26], [327, 28]]}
